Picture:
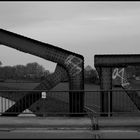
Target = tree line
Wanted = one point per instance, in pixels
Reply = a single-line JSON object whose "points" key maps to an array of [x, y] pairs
{"points": [[34, 71], [30, 71], [91, 75]]}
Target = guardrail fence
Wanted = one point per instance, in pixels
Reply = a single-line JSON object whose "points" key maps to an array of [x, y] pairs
{"points": [[56, 103]]}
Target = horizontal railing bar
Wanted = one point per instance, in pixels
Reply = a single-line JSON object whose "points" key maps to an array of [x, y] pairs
{"points": [[67, 90], [118, 112], [46, 113], [40, 90], [79, 112]]}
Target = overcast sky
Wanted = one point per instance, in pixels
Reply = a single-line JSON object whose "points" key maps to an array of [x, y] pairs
{"points": [[87, 28]]}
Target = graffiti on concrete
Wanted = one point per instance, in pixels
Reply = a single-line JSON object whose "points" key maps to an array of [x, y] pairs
{"points": [[121, 74]]}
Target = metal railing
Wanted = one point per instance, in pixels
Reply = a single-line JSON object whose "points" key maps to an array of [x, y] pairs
{"points": [[57, 102]]}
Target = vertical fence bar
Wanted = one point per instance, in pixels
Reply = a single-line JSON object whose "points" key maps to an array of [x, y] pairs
{"points": [[18, 108], [25, 103], [109, 104], [5, 104], [1, 105], [32, 97]]}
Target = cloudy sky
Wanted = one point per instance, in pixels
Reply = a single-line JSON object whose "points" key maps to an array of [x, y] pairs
{"points": [[87, 28]]}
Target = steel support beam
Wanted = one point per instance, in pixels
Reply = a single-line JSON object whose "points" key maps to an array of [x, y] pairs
{"points": [[122, 60], [106, 94], [54, 54]]}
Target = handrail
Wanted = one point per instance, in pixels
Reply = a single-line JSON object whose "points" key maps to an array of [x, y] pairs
{"points": [[67, 90]]}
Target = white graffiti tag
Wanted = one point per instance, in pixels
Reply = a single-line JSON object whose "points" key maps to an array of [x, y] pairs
{"points": [[74, 61], [120, 74]]}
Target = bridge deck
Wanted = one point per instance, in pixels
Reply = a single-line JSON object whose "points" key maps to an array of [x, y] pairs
{"points": [[67, 127], [68, 122], [45, 122]]}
